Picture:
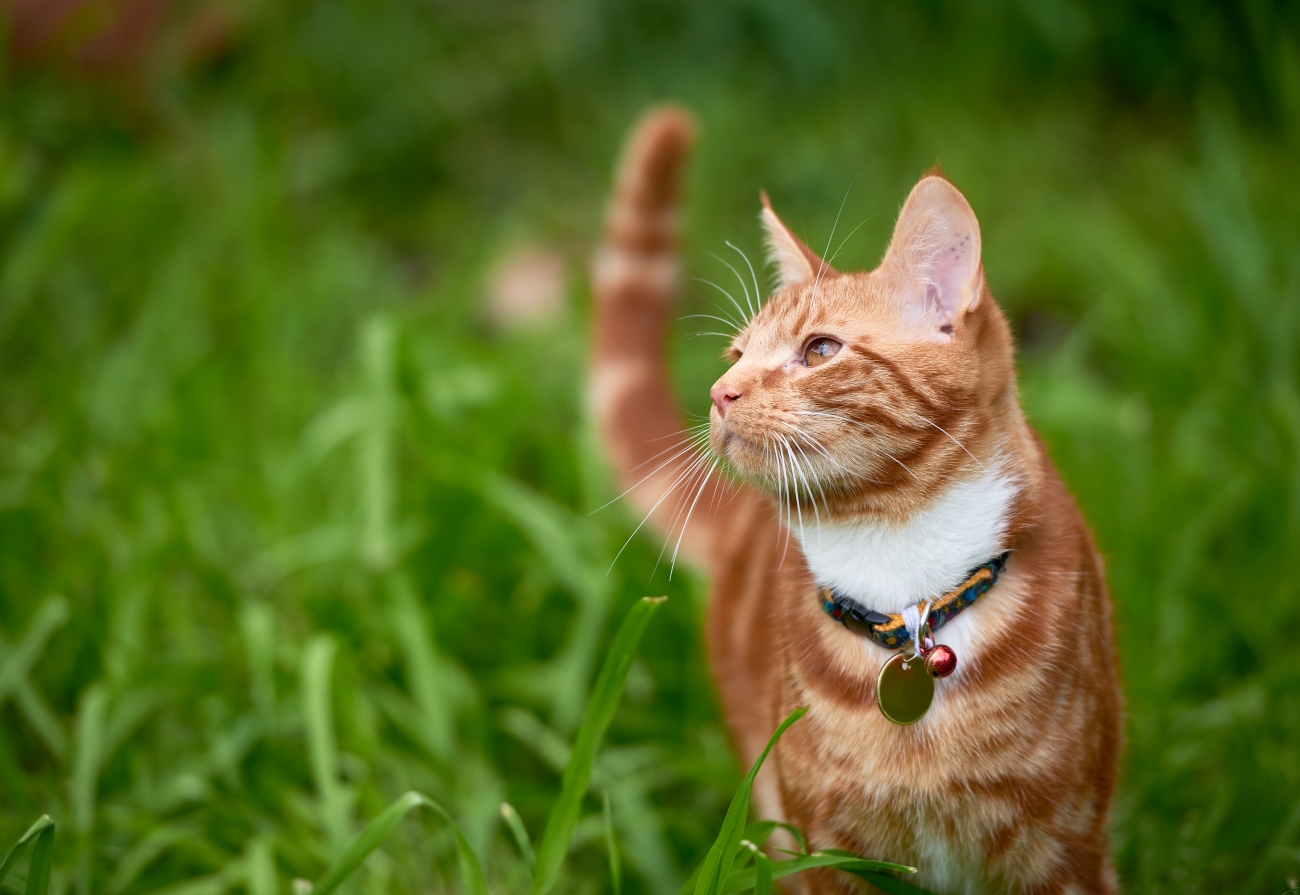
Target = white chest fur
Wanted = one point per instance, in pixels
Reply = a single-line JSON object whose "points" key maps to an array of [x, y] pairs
{"points": [[886, 567]]}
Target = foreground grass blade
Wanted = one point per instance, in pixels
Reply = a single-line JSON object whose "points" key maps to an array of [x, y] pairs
{"points": [[378, 830], [577, 774], [615, 869], [748, 878], [38, 870], [517, 829], [861, 863], [718, 862], [888, 883]]}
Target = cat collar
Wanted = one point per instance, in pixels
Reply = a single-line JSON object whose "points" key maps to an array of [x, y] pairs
{"points": [[890, 630], [905, 684]]}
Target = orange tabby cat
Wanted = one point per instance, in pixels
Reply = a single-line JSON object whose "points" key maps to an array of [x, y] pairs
{"points": [[874, 419]]}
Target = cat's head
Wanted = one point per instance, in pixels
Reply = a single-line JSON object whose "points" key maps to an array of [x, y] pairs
{"points": [[850, 389]]}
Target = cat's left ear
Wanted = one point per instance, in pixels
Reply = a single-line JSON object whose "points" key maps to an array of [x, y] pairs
{"points": [[934, 256]]}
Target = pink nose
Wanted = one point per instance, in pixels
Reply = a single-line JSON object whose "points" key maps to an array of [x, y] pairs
{"points": [[722, 395]]}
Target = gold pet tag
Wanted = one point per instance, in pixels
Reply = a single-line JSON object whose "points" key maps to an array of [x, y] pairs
{"points": [[904, 689]]}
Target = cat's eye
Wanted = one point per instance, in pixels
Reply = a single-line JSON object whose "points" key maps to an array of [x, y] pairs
{"points": [[820, 350]]}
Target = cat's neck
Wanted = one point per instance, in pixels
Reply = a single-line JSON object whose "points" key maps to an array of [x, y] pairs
{"points": [[886, 566]]}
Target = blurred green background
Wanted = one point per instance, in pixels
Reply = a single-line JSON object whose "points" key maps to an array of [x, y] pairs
{"points": [[292, 320]]}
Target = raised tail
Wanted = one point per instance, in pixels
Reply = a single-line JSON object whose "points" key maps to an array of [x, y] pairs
{"points": [[635, 280]]}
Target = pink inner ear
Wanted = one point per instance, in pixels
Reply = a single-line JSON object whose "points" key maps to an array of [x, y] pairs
{"points": [[935, 304], [953, 271], [936, 246]]}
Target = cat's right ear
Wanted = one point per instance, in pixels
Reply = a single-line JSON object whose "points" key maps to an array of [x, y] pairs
{"points": [[795, 263], [934, 256]]}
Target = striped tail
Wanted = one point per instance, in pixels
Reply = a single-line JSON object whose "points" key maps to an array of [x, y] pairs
{"points": [[634, 283]]}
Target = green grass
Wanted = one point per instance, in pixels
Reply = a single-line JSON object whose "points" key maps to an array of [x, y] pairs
{"points": [[289, 527], [714, 877]]}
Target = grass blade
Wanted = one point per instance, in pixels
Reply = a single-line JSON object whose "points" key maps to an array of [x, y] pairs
{"points": [[381, 827], [874, 871], [577, 774], [515, 823], [318, 709], [258, 624], [762, 868], [615, 870], [260, 875], [375, 444], [762, 874], [718, 862], [46, 620], [35, 832], [426, 678], [859, 862], [38, 871], [87, 753], [888, 883], [759, 831]]}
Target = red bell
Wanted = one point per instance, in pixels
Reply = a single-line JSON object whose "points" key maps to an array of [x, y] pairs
{"points": [[940, 661]]}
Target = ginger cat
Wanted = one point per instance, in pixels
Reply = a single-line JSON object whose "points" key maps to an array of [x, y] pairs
{"points": [[873, 423]]}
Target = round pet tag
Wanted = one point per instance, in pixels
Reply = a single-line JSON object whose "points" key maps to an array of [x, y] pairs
{"points": [[904, 689]]}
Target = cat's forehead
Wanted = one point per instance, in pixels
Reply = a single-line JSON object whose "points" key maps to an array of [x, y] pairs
{"points": [[848, 304]]}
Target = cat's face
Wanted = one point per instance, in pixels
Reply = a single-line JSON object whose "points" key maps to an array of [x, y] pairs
{"points": [[847, 385]]}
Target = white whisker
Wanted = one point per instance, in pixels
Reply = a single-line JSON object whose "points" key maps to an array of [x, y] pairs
{"points": [[731, 298], [825, 264], [758, 293], [811, 497], [700, 472], [852, 474], [703, 484], [693, 430], [845, 419], [671, 488], [744, 287], [949, 434], [794, 467], [783, 492], [845, 240], [680, 451], [695, 437], [727, 320], [835, 416]]}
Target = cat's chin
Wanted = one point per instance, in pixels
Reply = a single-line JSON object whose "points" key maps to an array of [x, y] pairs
{"points": [[746, 456], [750, 463]]}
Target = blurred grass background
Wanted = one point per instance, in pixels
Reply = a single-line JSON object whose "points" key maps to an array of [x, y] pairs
{"points": [[265, 446]]}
